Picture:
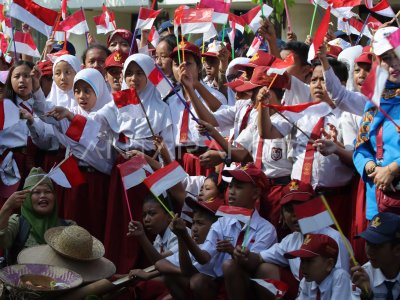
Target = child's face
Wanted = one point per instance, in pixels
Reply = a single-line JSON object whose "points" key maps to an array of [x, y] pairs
{"points": [[211, 66], [391, 62], [21, 81], [317, 85], [361, 71], [242, 194], [289, 217], [200, 227], [162, 58], [135, 77], [64, 76], [46, 83], [155, 219], [208, 191], [190, 65], [114, 78], [382, 255], [84, 95], [316, 268]]}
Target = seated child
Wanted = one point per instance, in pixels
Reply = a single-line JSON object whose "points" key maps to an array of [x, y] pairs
{"points": [[179, 267], [321, 280], [380, 277]]}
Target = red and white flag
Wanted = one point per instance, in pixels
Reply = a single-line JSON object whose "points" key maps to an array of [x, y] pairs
{"points": [[178, 17], [75, 23], [64, 9], [382, 8], [3, 44], [394, 40], [298, 111], [105, 22], [36, 16], [134, 171], [196, 20], [373, 23], [343, 7], [146, 18], [280, 66], [276, 287], [159, 81], [312, 215], [221, 9], [319, 35], [165, 178], [374, 84], [253, 16], [25, 44], [154, 37], [6, 26], [240, 24], [254, 47], [9, 114], [128, 102], [339, 42], [239, 213], [83, 131], [354, 26], [232, 34], [68, 174]]}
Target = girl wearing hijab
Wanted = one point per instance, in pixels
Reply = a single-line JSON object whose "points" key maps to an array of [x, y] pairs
{"points": [[95, 158], [38, 213]]}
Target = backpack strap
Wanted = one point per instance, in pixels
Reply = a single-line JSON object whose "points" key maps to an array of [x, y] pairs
{"points": [[24, 229]]}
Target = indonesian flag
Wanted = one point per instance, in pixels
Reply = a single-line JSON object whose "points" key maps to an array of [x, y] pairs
{"points": [[280, 66], [105, 22], [253, 17], [382, 8], [394, 40], [221, 9], [373, 23], [298, 111], [83, 131], [36, 16], [237, 21], [338, 42], [276, 287], [3, 44], [24, 44], [239, 213], [9, 114], [178, 17], [134, 171], [213, 144], [146, 18], [6, 26], [75, 23], [67, 174], [165, 178], [210, 34], [232, 34], [320, 35], [128, 102], [353, 26], [344, 6], [374, 84], [154, 37], [159, 81], [254, 47], [64, 9], [196, 20], [312, 215]]}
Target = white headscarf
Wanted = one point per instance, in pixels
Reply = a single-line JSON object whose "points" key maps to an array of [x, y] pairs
{"points": [[348, 56], [157, 111], [57, 96], [94, 78]]}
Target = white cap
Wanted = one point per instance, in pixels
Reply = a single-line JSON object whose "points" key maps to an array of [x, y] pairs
{"points": [[381, 44]]}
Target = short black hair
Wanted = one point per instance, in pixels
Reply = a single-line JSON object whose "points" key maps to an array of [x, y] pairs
{"points": [[205, 213], [300, 49], [222, 186], [151, 199], [9, 92], [95, 46], [170, 39], [338, 67]]}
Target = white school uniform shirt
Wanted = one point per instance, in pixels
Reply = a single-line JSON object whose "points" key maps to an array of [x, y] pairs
{"points": [[262, 235], [350, 124], [336, 286], [275, 162], [293, 241], [177, 107], [169, 241], [299, 92], [229, 117], [327, 171], [377, 282]]}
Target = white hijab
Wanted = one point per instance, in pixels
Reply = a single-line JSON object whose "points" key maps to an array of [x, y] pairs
{"points": [[156, 110], [57, 96], [98, 84]]}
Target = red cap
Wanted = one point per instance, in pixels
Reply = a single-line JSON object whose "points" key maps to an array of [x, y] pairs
{"points": [[116, 59], [210, 205], [187, 47], [316, 245], [296, 190], [333, 51], [261, 58], [45, 67], [260, 78], [235, 83], [125, 34], [365, 57], [248, 173]]}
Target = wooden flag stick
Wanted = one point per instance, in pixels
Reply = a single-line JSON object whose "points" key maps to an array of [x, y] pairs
{"points": [[127, 199], [183, 49], [52, 34]]}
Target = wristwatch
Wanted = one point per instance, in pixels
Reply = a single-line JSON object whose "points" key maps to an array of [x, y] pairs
{"points": [[227, 160]]}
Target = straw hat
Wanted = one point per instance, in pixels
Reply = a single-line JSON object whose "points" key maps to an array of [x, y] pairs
{"points": [[89, 270], [74, 242]]}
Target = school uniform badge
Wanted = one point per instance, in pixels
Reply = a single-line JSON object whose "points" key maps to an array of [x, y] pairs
{"points": [[276, 153]]}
